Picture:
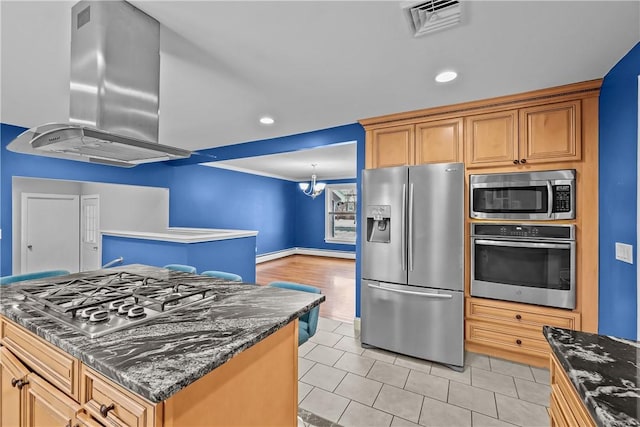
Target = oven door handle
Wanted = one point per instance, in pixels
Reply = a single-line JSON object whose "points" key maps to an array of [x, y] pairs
{"points": [[522, 244], [549, 199], [422, 294]]}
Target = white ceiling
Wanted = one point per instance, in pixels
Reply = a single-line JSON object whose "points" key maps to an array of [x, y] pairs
{"points": [[316, 64], [337, 161]]}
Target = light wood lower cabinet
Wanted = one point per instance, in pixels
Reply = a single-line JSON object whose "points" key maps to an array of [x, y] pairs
{"points": [[13, 398], [566, 407], [257, 387], [512, 330], [48, 406]]}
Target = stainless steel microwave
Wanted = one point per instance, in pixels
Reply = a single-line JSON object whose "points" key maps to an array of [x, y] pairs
{"points": [[541, 195]]}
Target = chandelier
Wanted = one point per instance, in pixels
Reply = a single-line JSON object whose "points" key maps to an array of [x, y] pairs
{"points": [[314, 188]]}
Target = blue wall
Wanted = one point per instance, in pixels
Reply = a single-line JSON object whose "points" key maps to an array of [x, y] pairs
{"points": [[199, 196], [13, 164], [618, 122], [208, 197], [310, 221]]}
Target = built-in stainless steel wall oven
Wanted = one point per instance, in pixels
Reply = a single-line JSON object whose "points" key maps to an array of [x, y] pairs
{"points": [[528, 263]]}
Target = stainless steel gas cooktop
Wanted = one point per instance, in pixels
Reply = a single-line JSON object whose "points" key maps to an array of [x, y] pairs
{"points": [[104, 303]]}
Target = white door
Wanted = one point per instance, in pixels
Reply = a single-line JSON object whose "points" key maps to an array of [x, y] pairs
{"points": [[50, 232], [90, 243]]}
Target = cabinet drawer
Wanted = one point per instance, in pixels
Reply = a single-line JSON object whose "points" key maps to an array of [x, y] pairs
{"points": [[521, 314], [507, 338], [49, 362], [112, 404]]}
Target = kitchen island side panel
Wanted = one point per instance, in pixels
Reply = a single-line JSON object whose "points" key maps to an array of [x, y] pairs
{"points": [[233, 255]]}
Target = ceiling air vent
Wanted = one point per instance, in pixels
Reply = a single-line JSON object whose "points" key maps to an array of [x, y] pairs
{"points": [[434, 15]]}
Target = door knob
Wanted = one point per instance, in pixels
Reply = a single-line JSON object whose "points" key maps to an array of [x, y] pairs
{"points": [[523, 161], [515, 162], [30, 247]]}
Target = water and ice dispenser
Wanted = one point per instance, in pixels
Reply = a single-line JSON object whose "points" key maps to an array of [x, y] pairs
{"points": [[378, 223]]}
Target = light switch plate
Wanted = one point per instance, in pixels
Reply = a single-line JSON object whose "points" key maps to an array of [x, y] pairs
{"points": [[624, 252]]}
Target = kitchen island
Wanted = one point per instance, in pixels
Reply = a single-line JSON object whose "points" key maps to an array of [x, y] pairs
{"points": [[594, 379], [230, 359]]}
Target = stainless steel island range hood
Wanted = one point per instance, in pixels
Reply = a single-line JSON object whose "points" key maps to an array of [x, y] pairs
{"points": [[114, 88]]}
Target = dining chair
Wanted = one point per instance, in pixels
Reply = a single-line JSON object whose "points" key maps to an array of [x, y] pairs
{"points": [[308, 323], [223, 275], [30, 276], [181, 267]]}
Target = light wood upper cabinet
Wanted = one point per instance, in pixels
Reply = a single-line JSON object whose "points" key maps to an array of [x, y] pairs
{"points": [[439, 141], [392, 146], [538, 134], [491, 139], [551, 132]]}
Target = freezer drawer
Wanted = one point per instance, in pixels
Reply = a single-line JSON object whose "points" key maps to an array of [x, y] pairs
{"points": [[420, 322]]}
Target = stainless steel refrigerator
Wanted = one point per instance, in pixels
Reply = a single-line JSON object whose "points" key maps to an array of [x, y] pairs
{"points": [[412, 287]]}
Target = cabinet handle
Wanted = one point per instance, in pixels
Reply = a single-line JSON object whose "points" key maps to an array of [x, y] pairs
{"points": [[104, 410], [14, 382], [519, 342], [518, 317], [515, 162], [523, 161], [21, 383]]}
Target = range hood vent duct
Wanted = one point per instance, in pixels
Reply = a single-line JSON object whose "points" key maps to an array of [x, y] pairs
{"points": [[433, 15], [114, 88]]}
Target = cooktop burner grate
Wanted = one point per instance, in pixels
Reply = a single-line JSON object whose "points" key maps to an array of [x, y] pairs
{"points": [[100, 304]]}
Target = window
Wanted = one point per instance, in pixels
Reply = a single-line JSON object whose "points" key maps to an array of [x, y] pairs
{"points": [[340, 219]]}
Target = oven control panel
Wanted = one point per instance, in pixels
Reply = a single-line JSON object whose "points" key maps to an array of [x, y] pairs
{"points": [[524, 231]]}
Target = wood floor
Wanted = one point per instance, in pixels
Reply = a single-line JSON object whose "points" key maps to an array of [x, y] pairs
{"points": [[335, 277]]}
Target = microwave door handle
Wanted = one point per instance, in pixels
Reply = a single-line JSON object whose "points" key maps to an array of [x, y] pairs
{"points": [[403, 234], [523, 244], [422, 294], [410, 234], [549, 199]]}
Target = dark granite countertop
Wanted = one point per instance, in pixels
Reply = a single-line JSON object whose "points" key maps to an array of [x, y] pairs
{"points": [[164, 355], [605, 372]]}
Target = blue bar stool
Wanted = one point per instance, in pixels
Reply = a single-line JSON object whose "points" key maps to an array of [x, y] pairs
{"points": [[181, 267], [308, 323], [222, 275], [29, 276]]}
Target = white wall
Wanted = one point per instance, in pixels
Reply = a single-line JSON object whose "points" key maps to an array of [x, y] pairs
{"points": [[27, 185], [129, 207], [122, 207]]}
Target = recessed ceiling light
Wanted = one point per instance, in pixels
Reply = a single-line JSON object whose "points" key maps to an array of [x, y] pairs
{"points": [[266, 120], [446, 76]]}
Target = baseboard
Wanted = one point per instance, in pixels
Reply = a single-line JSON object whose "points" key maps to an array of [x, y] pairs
{"points": [[304, 251]]}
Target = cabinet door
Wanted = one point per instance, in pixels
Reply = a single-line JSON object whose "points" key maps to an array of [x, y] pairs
{"points": [[439, 141], [391, 146], [550, 133], [48, 406], [491, 139], [12, 409]]}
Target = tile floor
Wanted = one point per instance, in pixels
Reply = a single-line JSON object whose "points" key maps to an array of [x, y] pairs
{"points": [[343, 383]]}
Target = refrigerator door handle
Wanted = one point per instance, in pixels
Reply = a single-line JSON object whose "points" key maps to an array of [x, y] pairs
{"points": [[410, 234], [549, 199], [422, 294], [403, 235]]}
